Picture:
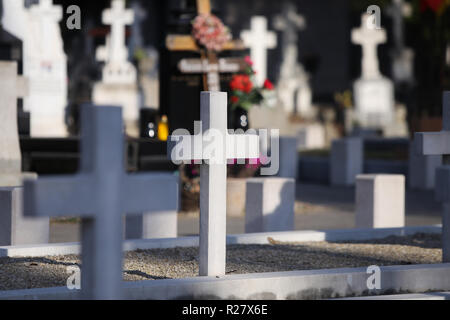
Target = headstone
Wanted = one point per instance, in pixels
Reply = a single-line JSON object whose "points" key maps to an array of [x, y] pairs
{"points": [[403, 58], [438, 144], [44, 63], [269, 205], [422, 169], [154, 225], [12, 87], [293, 87], [311, 136], [214, 147], [119, 77], [373, 93], [288, 157], [15, 229], [259, 40], [380, 201], [101, 193], [347, 158]]}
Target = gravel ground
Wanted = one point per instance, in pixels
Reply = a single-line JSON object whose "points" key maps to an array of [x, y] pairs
{"points": [[24, 273]]}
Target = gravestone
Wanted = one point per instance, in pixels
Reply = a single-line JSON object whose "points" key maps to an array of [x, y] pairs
{"points": [[119, 77], [380, 201], [15, 229], [289, 155], [293, 87], [373, 93], [44, 63], [101, 193], [403, 58], [311, 136], [438, 144], [346, 161], [11, 50], [259, 40], [269, 205], [422, 169], [12, 87], [213, 147]]}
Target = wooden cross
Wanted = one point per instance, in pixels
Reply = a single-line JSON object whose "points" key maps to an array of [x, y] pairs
{"points": [[100, 194], [213, 146], [209, 65], [369, 39], [438, 143]]}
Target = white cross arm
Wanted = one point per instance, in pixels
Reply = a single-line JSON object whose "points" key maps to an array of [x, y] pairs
{"points": [[150, 192], [432, 143], [188, 148], [59, 197]]}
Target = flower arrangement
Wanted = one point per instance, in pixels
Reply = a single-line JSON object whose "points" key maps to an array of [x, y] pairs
{"points": [[437, 6], [244, 92], [210, 32]]}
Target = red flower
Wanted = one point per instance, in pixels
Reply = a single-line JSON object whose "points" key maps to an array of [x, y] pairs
{"points": [[435, 5], [241, 82], [268, 85], [234, 99]]}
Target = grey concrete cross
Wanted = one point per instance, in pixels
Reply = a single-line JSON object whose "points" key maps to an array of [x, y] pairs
{"points": [[100, 194], [438, 143], [290, 22], [213, 146]]}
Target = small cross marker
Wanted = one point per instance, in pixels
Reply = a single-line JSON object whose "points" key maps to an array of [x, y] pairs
{"points": [[215, 147], [438, 143], [100, 194]]}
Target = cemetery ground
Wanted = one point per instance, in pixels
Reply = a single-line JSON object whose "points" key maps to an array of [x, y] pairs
{"points": [[317, 208], [176, 263]]}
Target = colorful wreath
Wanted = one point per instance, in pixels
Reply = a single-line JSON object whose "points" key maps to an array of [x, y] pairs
{"points": [[210, 32]]}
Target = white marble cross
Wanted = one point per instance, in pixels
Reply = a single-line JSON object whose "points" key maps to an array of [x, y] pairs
{"points": [[259, 40], [438, 143], [215, 147], [100, 194], [290, 22], [12, 87], [369, 39], [48, 16], [118, 17]]}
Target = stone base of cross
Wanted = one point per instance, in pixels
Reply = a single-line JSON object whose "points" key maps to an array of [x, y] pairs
{"points": [[100, 194], [438, 143], [213, 147], [12, 87]]}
